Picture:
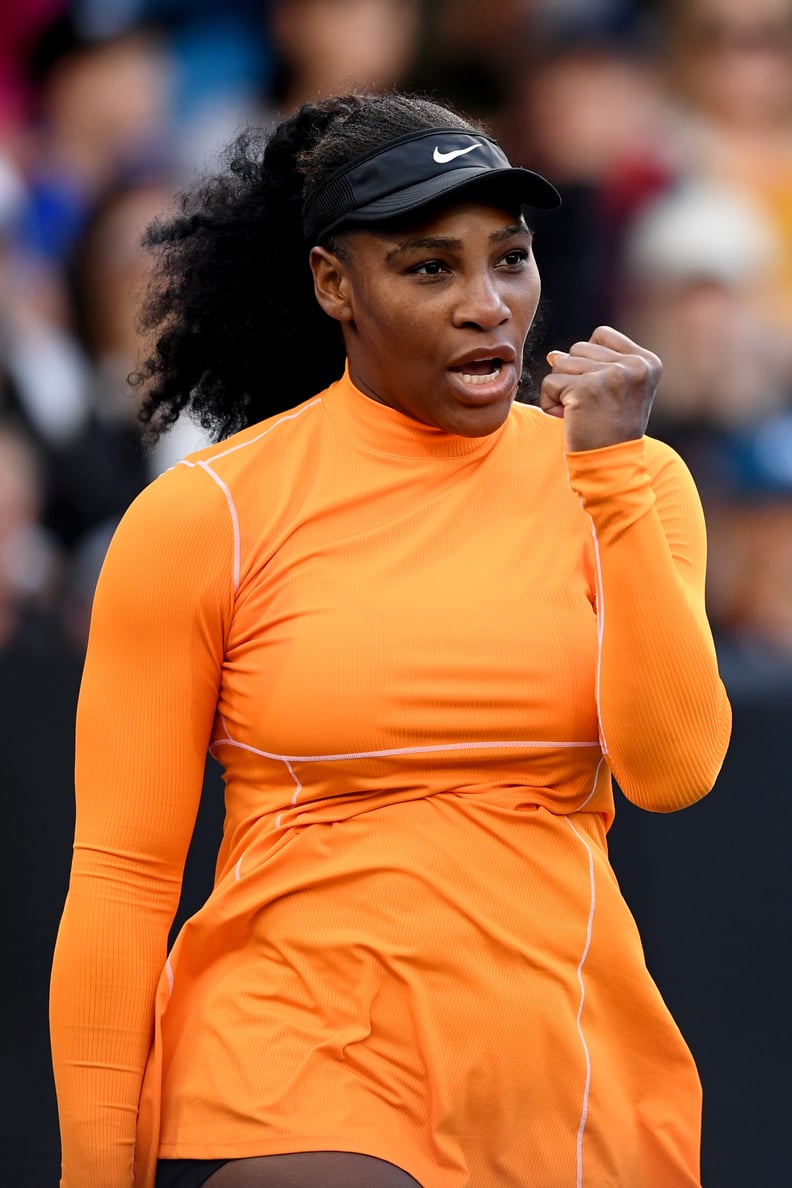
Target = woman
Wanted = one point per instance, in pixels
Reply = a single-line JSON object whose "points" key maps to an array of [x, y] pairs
{"points": [[419, 625]]}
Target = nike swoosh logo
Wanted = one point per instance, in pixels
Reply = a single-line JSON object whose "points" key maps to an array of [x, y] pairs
{"points": [[444, 158]]}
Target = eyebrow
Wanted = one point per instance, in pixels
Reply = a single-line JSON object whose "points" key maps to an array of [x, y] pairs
{"points": [[510, 232], [445, 243]]}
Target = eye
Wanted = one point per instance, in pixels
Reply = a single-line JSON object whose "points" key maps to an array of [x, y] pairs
{"points": [[429, 268], [515, 258]]}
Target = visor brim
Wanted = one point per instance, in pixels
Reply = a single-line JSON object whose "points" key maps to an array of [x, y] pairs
{"points": [[513, 186]]}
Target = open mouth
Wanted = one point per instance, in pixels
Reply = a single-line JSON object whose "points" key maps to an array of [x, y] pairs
{"points": [[482, 371]]}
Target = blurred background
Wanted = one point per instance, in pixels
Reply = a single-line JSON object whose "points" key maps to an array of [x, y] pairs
{"points": [[668, 128]]}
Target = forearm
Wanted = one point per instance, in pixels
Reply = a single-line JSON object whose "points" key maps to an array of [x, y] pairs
{"points": [[110, 953], [147, 702], [663, 711]]}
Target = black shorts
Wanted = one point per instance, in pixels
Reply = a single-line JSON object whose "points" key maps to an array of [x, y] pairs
{"points": [[186, 1173]]}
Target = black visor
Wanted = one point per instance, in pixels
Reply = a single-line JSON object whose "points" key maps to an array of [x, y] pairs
{"points": [[415, 170]]}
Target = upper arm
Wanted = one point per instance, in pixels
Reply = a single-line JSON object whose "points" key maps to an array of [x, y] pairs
{"points": [[152, 671], [664, 715], [682, 518]]}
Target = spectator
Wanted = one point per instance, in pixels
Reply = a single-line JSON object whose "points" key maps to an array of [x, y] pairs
{"points": [[326, 46], [586, 110], [696, 265], [729, 77], [102, 107], [28, 558]]}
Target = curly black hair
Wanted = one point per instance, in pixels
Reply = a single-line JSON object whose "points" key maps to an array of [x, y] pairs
{"points": [[236, 334]]}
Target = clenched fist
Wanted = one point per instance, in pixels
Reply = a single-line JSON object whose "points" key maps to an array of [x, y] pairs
{"points": [[603, 388]]}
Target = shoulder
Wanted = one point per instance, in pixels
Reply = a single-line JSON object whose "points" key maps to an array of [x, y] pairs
{"points": [[179, 524], [207, 505], [267, 440], [207, 481]]}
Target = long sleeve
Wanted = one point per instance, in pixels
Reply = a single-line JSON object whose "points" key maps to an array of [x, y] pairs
{"points": [[664, 716], [145, 712]]}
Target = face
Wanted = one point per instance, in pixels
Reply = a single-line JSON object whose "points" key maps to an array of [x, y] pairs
{"points": [[435, 315], [329, 42], [733, 59]]}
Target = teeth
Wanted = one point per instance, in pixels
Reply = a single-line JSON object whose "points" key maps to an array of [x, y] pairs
{"points": [[481, 379]]}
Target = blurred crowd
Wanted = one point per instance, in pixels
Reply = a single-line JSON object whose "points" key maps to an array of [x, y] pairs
{"points": [[667, 126]]}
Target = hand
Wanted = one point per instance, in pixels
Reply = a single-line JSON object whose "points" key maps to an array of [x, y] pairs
{"points": [[603, 388]]}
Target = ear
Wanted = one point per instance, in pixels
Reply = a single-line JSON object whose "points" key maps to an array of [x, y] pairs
{"points": [[331, 284]]}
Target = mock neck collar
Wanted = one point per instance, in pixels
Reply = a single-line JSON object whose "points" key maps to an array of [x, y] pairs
{"points": [[384, 430]]}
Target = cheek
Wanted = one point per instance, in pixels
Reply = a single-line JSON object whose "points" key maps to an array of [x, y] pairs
{"points": [[530, 296], [525, 301], [404, 331]]}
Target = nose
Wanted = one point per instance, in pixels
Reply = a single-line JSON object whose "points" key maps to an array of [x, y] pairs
{"points": [[481, 303]]}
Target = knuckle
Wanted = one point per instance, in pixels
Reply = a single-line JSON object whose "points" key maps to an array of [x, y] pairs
{"points": [[646, 369], [615, 377]]}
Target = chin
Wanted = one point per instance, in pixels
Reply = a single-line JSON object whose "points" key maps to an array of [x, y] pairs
{"points": [[479, 421]]}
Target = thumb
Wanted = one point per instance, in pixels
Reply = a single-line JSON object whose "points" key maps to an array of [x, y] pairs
{"points": [[551, 391]]}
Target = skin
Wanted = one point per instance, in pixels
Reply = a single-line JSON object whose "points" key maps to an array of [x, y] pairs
{"points": [[412, 302], [417, 302], [603, 388], [330, 1169]]}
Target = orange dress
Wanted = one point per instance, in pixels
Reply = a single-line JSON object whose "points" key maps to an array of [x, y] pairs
{"points": [[419, 658]]}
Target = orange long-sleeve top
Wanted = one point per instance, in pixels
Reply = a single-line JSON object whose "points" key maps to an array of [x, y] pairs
{"points": [[419, 658]]}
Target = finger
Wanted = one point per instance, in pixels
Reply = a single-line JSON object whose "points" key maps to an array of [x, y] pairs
{"points": [[606, 343], [583, 361], [594, 350], [642, 370], [614, 340], [562, 391], [606, 355], [550, 398]]}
